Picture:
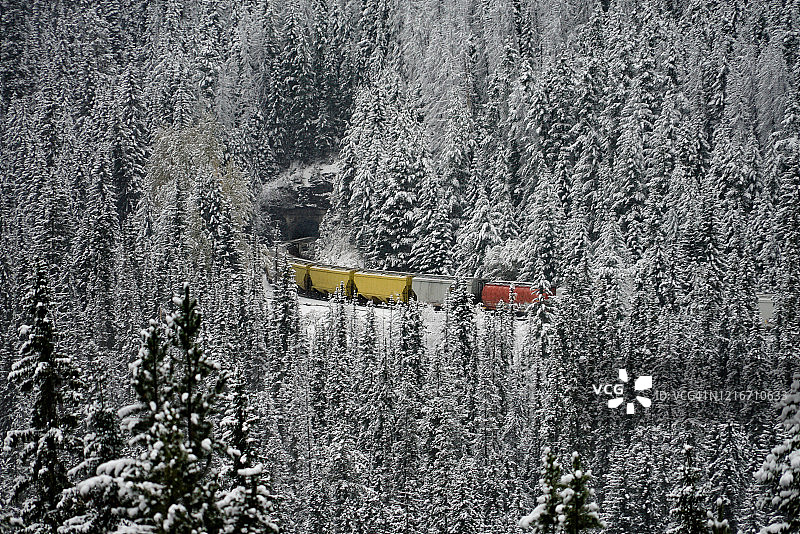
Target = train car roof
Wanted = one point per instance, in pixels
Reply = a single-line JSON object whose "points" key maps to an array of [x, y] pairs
{"points": [[434, 277], [509, 283], [379, 272], [328, 266]]}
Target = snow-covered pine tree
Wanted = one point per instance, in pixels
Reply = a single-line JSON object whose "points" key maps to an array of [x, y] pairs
{"points": [[129, 144], [49, 223], [726, 471], [576, 510], [434, 238], [215, 211], [342, 497], [409, 389], [248, 506], [458, 153], [787, 221], [635, 495], [540, 321], [207, 58], [367, 181], [587, 132], [479, 234], [438, 437], [717, 524], [394, 220], [337, 76], [92, 506], [461, 488], [336, 367], [688, 515], [553, 114], [51, 381], [543, 236], [366, 367], [502, 205], [376, 435], [491, 396], [175, 385], [780, 472], [544, 519], [357, 160], [661, 162], [618, 493], [564, 416], [461, 347], [14, 75], [95, 254], [630, 193], [283, 341], [291, 117]]}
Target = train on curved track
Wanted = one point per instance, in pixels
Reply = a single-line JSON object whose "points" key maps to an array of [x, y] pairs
{"points": [[383, 286], [321, 279]]}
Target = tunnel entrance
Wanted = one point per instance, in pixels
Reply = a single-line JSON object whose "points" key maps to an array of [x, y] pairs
{"points": [[302, 222], [298, 199]]}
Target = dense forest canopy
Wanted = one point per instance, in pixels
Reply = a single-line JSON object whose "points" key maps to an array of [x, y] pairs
{"points": [[643, 157]]}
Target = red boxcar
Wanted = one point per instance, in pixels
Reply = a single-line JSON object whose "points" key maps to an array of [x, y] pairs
{"points": [[495, 292]]}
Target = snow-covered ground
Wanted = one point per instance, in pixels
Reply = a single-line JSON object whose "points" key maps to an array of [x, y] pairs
{"points": [[314, 311]]}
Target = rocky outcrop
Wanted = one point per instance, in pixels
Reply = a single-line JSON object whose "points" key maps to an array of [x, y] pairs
{"points": [[299, 198]]}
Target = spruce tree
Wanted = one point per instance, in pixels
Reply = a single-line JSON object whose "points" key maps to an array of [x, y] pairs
{"points": [[541, 248], [219, 227], [780, 472], [247, 507], [479, 234], [50, 380], [176, 388], [717, 524], [688, 514], [283, 341], [129, 146], [434, 238], [587, 130], [463, 513], [544, 519], [576, 511], [93, 506], [367, 369], [291, 112], [630, 194], [438, 436], [619, 498], [787, 221], [726, 468], [461, 347], [96, 249], [408, 413], [394, 221]]}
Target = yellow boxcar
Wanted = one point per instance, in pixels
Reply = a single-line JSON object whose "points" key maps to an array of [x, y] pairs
{"points": [[383, 285], [301, 275], [326, 278]]}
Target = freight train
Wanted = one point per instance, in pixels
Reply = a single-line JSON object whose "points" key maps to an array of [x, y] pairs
{"points": [[384, 286]]}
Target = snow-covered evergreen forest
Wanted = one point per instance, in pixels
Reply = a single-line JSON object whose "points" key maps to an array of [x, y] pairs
{"points": [[642, 157]]}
